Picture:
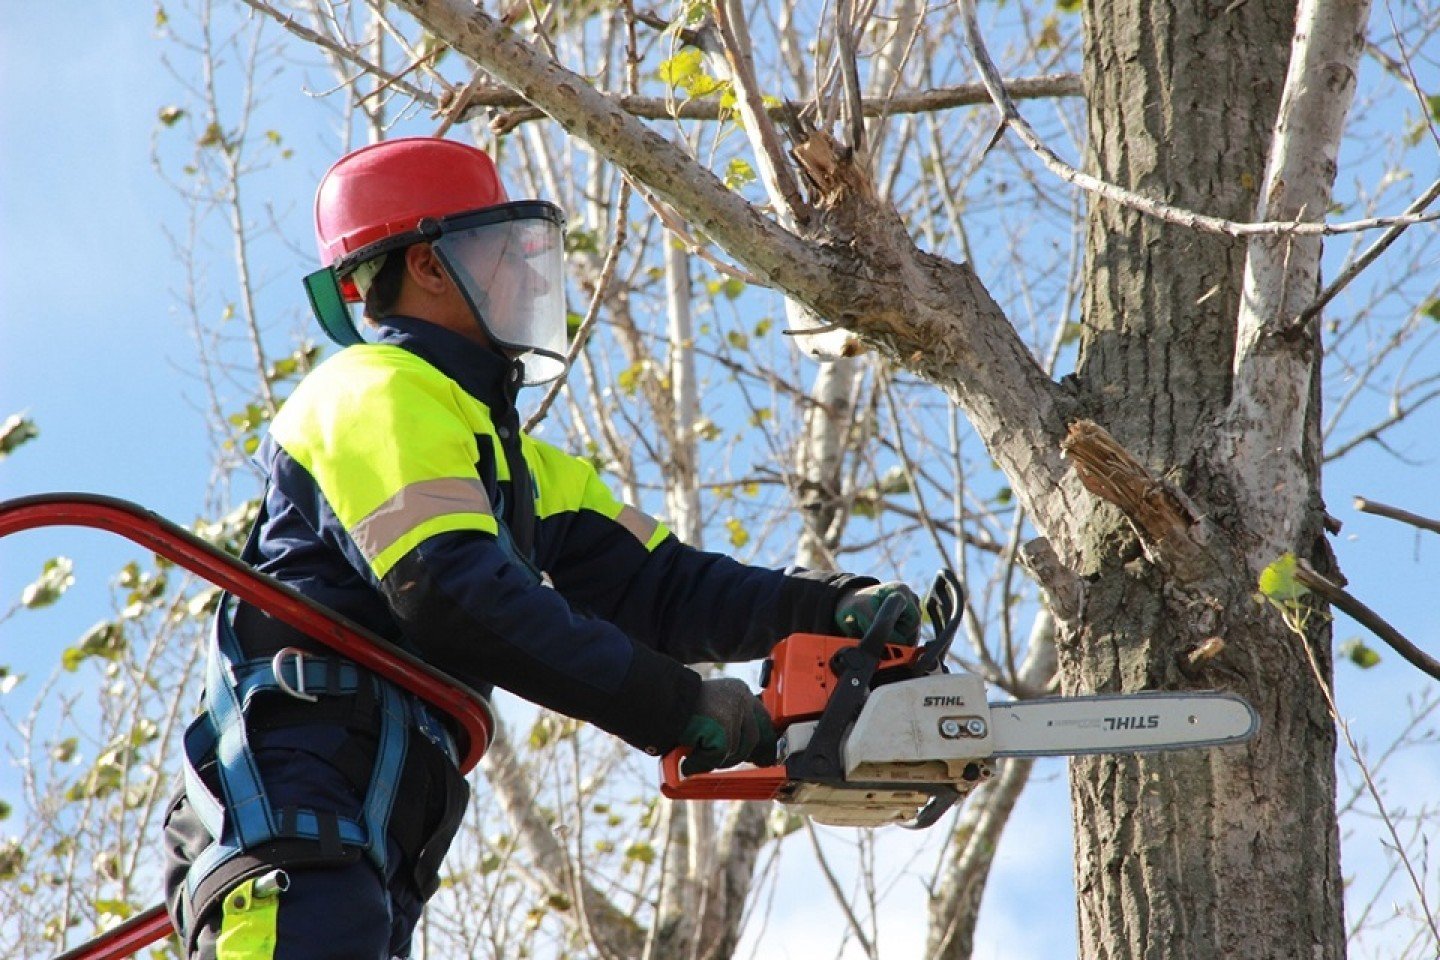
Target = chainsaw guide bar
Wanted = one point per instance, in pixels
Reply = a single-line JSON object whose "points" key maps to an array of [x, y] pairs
{"points": [[873, 733]]}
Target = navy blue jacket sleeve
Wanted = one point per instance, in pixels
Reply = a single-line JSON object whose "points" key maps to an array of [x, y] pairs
{"points": [[690, 604], [477, 614]]}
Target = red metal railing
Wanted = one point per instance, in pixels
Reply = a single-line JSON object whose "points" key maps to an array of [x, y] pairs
{"points": [[178, 545]]}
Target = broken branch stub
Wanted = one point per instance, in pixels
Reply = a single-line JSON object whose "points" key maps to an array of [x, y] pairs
{"points": [[1169, 529]]}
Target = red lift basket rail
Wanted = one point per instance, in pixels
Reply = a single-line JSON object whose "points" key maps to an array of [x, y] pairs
{"points": [[467, 708]]}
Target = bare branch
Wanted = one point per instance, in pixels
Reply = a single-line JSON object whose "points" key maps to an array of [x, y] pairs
{"points": [[1158, 209], [1395, 513], [917, 101], [1370, 255], [1338, 597], [775, 171]]}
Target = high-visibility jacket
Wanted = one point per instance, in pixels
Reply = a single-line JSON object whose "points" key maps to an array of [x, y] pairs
{"points": [[403, 494]]}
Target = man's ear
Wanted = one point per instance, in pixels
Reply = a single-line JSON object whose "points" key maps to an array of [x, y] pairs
{"points": [[425, 269]]}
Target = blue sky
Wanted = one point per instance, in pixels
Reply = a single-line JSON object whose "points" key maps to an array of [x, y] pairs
{"points": [[93, 348]]}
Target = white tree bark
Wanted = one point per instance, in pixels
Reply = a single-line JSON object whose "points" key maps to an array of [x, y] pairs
{"points": [[1276, 354]]}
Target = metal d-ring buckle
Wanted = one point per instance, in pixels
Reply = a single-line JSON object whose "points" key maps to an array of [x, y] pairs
{"points": [[277, 664]]}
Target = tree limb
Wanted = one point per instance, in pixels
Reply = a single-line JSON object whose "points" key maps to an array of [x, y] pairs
{"points": [[1275, 358], [1338, 597], [1051, 86], [1395, 513]]}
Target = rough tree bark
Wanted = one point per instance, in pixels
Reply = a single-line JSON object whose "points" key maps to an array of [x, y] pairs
{"points": [[1200, 854]]}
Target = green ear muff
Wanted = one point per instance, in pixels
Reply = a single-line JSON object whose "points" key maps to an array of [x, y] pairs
{"points": [[323, 289]]}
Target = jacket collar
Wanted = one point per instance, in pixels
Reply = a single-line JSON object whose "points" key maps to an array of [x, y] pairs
{"points": [[480, 371]]}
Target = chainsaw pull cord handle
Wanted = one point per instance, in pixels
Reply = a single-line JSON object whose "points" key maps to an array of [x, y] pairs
{"points": [[946, 606]]}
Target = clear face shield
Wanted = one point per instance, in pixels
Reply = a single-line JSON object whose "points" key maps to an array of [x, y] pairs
{"points": [[508, 261]]}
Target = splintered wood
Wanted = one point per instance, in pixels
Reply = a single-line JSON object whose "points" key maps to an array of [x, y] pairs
{"points": [[1108, 471]]}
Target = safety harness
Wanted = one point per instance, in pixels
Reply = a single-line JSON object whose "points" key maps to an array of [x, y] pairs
{"points": [[250, 835]]}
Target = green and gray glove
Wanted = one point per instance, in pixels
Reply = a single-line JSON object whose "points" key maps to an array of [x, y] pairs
{"points": [[730, 726], [857, 610]]}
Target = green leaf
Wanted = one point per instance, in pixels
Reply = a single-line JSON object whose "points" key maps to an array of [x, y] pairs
{"points": [[1432, 310], [686, 71], [213, 136], [739, 536], [15, 431], [1068, 6], [738, 173], [640, 853], [630, 377], [1357, 653], [579, 240], [706, 429], [55, 578], [105, 640], [171, 115], [12, 859], [1434, 103], [894, 482], [1278, 583], [5, 810]]}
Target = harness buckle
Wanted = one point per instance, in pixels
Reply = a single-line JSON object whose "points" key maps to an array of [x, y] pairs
{"points": [[277, 666]]}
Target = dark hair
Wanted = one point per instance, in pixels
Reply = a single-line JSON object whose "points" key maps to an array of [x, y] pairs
{"points": [[385, 287]]}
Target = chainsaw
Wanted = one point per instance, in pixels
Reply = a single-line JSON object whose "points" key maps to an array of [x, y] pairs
{"points": [[872, 732]]}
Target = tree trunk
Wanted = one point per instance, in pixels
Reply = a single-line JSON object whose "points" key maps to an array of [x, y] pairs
{"points": [[1194, 853]]}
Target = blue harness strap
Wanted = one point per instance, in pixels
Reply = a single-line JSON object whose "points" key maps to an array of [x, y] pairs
{"points": [[241, 818]]}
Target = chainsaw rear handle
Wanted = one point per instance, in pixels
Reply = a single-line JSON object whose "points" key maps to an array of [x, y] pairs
{"points": [[737, 783], [467, 708]]}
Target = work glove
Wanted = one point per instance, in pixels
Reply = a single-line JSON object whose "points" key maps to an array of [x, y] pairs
{"points": [[858, 608], [730, 726]]}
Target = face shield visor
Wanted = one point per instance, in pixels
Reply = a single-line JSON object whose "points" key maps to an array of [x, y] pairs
{"points": [[508, 261]]}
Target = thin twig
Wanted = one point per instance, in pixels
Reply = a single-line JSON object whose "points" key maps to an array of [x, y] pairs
{"points": [[592, 313], [1370, 255], [1344, 729]]}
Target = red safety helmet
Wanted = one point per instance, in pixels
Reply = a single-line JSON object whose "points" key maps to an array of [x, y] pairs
{"points": [[386, 189], [506, 258]]}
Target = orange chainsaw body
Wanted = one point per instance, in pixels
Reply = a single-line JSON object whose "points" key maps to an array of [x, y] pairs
{"points": [[796, 682]]}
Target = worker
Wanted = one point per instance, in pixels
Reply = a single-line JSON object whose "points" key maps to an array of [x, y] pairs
{"points": [[402, 493]]}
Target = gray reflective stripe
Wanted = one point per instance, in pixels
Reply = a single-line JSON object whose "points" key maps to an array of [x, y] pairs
{"points": [[415, 504], [637, 523]]}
